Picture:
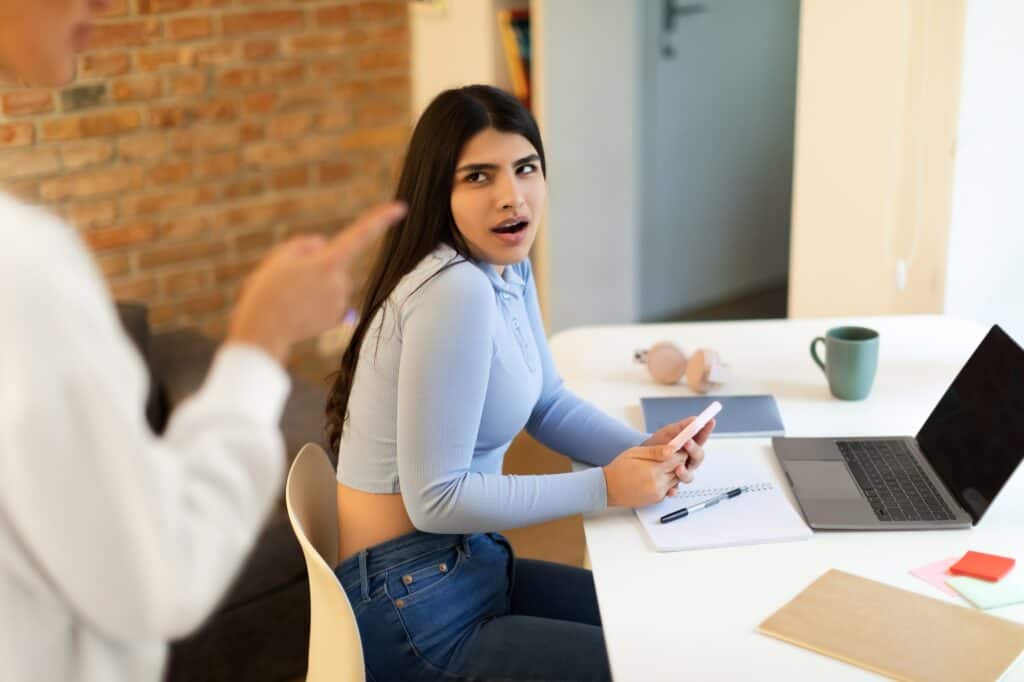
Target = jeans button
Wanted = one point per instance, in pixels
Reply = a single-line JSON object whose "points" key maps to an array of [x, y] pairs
{"points": [[400, 603], [443, 568], [407, 579]]}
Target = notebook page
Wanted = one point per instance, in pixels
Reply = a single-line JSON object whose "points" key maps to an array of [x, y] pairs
{"points": [[762, 513]]}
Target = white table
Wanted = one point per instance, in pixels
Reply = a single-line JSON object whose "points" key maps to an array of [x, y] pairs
{"points": [[693, 615]]}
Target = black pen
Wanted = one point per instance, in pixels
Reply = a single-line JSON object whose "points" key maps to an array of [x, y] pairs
{"points": [[686, 511]]}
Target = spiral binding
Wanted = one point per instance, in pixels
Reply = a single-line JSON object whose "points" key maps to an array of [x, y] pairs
{"points": [[688, 493]]}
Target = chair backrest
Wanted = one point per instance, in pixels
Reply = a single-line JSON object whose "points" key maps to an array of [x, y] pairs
{"points": [[335, 649]]}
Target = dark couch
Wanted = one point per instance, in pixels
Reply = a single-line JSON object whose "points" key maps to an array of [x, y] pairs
{"points": [[260, 629]]}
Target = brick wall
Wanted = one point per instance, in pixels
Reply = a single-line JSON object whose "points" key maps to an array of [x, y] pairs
{"points": [[198, 133]]}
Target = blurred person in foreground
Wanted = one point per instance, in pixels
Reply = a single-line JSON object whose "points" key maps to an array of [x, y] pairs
{"points": [[113, 540]]}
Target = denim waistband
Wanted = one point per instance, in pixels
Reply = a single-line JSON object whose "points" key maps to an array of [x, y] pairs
{"points": [[360, 567]]}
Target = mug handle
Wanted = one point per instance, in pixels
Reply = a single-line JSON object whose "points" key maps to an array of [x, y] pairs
{"points": [[814, 352]]}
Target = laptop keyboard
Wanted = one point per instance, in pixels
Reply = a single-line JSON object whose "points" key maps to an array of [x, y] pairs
{"points": [[894, 483]]}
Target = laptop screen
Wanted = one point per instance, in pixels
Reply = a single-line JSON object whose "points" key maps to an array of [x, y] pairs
{"points": [[974, 438]]}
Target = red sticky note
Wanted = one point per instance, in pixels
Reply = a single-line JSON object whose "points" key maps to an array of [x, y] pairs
{"points": [[989, 567]]}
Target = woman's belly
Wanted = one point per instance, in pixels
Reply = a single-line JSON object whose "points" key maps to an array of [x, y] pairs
{"points": [[368, 519]]}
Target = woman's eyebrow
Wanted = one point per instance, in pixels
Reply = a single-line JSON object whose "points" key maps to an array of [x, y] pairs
{"points": [[477, 167]]}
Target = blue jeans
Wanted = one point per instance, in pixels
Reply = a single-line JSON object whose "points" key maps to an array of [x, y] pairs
{"points": [[462, 607]]}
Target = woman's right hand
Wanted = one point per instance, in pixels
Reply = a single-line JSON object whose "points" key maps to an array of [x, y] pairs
{"points": [[644, 475], [302, 287]]}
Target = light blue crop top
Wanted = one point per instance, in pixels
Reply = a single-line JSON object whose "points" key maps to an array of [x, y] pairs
{"points": [[448, 375]]}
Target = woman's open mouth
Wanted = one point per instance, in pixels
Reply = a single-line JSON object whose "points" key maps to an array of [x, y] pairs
{"points": [[512, 231]]}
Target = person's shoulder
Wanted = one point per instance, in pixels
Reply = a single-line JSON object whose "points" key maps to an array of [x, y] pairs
{"points": [[37, 244], [447, 280]]}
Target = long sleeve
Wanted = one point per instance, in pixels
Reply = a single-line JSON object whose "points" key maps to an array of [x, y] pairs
{"points": [[447, 341], [137, 535], [563, 421]]}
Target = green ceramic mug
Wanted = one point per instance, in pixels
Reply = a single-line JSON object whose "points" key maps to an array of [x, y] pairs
{"points": [[851, 358]]}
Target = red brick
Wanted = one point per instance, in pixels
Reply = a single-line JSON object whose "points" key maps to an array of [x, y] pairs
{"points": [[219, 165], [240, 189], [91, 125], [382, 9], [124, 34], [170, 173], [114, 264], [206, 138], [220, 109], [229, 273], [26, 190], [380, 112], [256, 50], [171, 116], [180, 253], [184, 283], [190, 84], [335, 118], [383, 59], [332, 172], [218, 53], [252, 22], [132, 89], [334, 15], [16, 135], [122, 235], [25, 102], [161, 6], [290, 178], [88, 215], [260, 102], [91, 184], [318, 44], [138, 289], [189, 28], [103, 64], [162, 58], [88, 153], [145, 147], [115, 8], [179, 228], [259, 240], [165, 202], [206, 303], [370, 138], [24, 163], [290, 125], [312, 97]]}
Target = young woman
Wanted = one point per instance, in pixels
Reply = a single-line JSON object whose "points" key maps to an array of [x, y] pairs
{"points": [[448, 363]]}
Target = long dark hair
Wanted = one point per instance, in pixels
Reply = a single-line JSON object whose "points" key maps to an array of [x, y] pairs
{"points": [[425, 186]]}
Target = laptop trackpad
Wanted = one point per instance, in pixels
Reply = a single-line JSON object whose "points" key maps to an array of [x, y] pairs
{"points": [[823, 480]]}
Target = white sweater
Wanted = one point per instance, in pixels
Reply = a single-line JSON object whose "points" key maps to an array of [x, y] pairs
{"points": [[112, 540]]}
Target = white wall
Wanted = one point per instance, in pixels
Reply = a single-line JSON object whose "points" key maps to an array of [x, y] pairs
{"points": [[588, 84], [876, 135], [456, 43], [986, 240]]}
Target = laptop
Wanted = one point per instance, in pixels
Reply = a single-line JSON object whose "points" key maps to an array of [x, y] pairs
{"points": [[945, 477]]}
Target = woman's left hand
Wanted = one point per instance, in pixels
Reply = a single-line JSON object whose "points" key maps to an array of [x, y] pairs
{"points": [[694, 448]]}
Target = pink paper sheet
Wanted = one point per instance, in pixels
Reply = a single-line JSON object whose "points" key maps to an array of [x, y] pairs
{"points": [[936, 574]]}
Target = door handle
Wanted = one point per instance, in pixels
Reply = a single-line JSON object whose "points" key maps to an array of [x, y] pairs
{"points": [[672, 13]]}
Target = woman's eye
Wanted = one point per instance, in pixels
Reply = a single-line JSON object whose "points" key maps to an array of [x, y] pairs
{"points": [[527, 168], [476, 177]]}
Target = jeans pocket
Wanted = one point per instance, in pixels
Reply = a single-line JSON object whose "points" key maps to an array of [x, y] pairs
{"points": [[416, 579], [438, 615]]}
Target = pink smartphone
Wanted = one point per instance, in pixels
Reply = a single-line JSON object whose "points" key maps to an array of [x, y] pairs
{"points": [[694, 427]]}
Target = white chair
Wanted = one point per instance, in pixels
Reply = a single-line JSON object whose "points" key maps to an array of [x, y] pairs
{"points": [[335, 649]]}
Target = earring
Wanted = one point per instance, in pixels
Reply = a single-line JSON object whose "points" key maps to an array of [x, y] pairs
{"points": [[667, 364]]}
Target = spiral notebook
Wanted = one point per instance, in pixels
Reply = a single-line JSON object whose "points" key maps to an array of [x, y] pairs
{"points": [[761, 514]]}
